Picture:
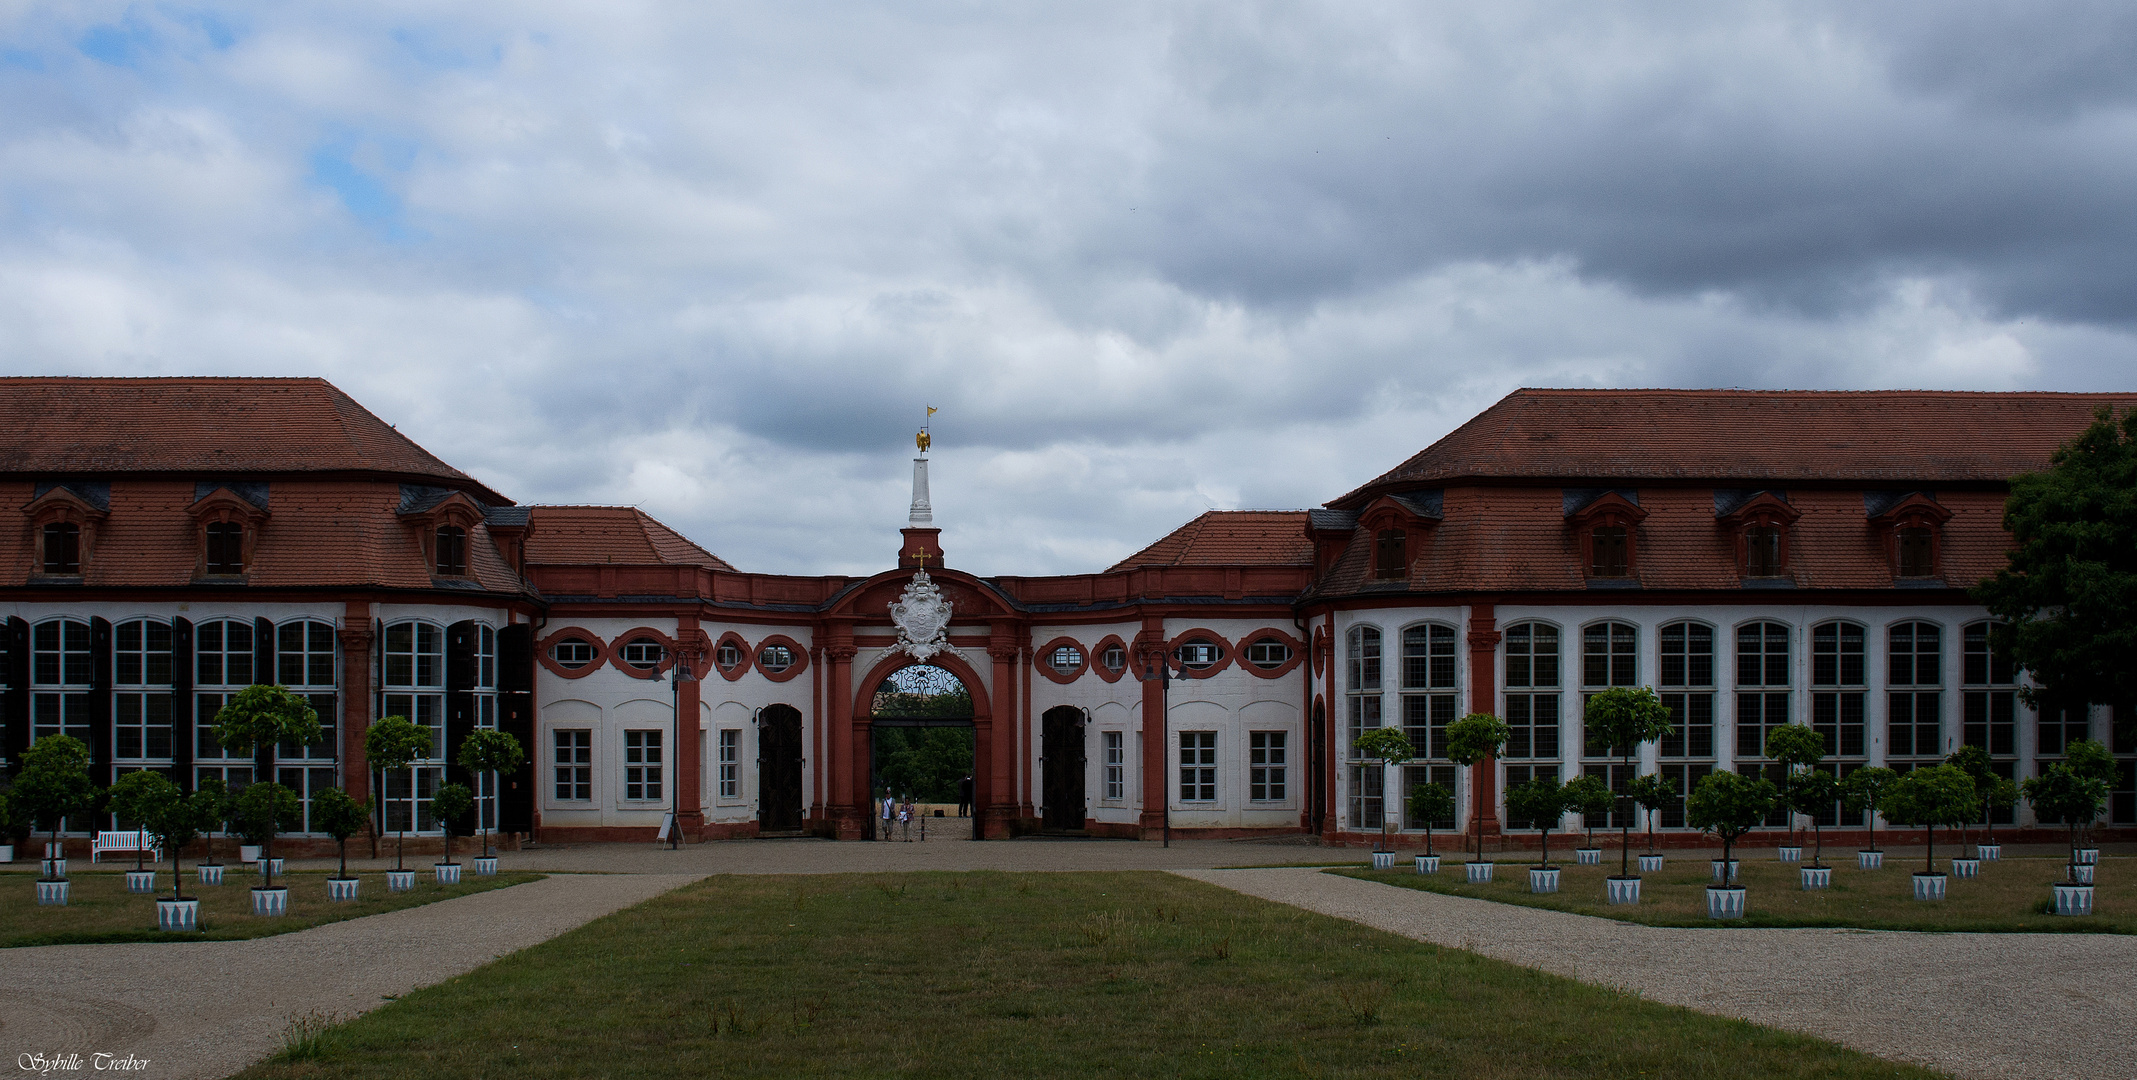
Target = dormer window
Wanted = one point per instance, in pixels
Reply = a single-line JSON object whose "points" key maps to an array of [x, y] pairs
{"points": [[1917, 553], [1912, 526], [1391, 555], [1762, 551], [226, 548], [226, 519], [1760, 521], [451, 550], [62, 549], [1607, 523], [1609, 552]]}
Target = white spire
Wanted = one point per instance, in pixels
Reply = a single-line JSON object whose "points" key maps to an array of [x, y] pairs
{"points": [[922, 513]]}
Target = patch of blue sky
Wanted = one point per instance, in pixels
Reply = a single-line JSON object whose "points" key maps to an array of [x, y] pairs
{"points": [[22, 59], [363, 193], [136, 37], [122, 45], [432, 51]]}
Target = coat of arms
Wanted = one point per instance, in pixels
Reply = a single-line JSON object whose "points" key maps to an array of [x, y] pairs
{"points": [[922, 617]]}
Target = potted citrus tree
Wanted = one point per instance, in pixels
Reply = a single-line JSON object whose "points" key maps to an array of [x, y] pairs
{"points": [[2060, 794], [1974, 762], [1929, 797], [174, 820], [53, 784], [1812, 793], [1728, 805], [2000, 797], [254, 722], [1541, 802], [339, 816], [1387, 746], [1430, 803], [1474, 740], [2091, 760], [262, 810], [390, 745], [450, 804], [1864, 793], [1653, 793], [132, 800], [487, 750], [1590, 797], [211, 801], [1798, 749], [1622, 719]]}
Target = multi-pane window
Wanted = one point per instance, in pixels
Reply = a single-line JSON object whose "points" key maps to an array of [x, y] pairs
{"points": [[415, 688], [1065, 660], [775, 658], [1917, 553], [1762, 551], [452, 551], [1619, 776], [485, 702], [1429, 699], [1517, 775], [1198, 766], [1368, 784], [222, 666], [1116, 765], [1267, 766], [1200, 654], [573, 763], [1114, 658], [63, 549], [1608, 655], [1683, 779], [1268, 654], [1687, 687], [1838, 687], [643, 653], [571, 654], [307, 781], [730, 763], [1363, 686], [1914, 668], [725, 657], [1761, 685], [1417, 776], [1608, 550], [141, 701], [225, 553], [304, 662], [642, 766], [1990, 696], [60, 677], [1532, 691], [1390, 554], [407, 798], [2061, 725]]}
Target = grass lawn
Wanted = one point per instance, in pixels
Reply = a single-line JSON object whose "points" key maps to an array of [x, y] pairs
{"points": [[989, 975], [99, 908], [2008, 896]]}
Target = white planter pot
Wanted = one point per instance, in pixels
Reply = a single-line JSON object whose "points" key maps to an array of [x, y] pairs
{"points": [[448, 872], [1990, 852], [1588, 856], [342, 888], [7, 853], [209, 873], [1428, 864], [270, 902], [1382, 860], [1725, 901], [1736, 870], [1929, 886], [400, 880], [52, 892], [486, 866], [1869, 860], [264, 863], [1543, 880], [1816, 877], [1650, 864], [177, 914], [1621, 890], [248, 853], [2073, 899], [1966, 868], [1788, 854], [141, 881], [1479, 872], [2083, 872], [2089, 855], [53, 868]]}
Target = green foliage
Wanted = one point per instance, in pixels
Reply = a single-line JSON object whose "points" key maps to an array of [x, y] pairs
{"points": [[926, 763], [1729, 805], [1430, 803], [264, 809], [2069, 596], [1541, 802], [1475, 738], [263, 715], [1937, 795], [1813, 793], [142, 797], [1653, 791], [2089, 759], [337, 815], [1589, 795], [923, 690], [14, 823], [393, 742], [54, 782], [490, 750], [1795, 746], [1974, 762], [2001, 795], [2060, 794], [451, 804], [1388, 745], [1865, 789], [1623, 718]]}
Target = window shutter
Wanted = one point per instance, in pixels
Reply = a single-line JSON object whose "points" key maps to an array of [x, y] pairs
{"points": [[182, 719], [459, 696], [515, 717], [17, 643], [263, 671], [100, 702]]}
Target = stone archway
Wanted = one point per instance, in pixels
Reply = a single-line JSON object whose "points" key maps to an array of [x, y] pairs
{"points": [[993, 799]]}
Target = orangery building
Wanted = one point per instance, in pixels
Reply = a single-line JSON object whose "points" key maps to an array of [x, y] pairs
{"points": [[1760, 558]]}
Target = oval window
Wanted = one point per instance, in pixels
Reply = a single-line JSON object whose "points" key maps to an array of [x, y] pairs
{"points": [[1268, 654], [1199, 654], [572, 653], [643, 653], [727, 655], [1115, 658], [775, 658], [1066, 660]]}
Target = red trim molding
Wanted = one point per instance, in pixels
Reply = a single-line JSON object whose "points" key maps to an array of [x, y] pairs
{"points": [[742, 666], [668, 650], [542, 647], [1098, 650], [800, 654], [1225, 653], [1297, 647], [1041, 659]]}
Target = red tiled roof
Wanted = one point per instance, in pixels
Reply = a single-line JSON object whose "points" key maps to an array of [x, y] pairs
{"points": [[1882, 437], [204, 426], [1230, 538], [325, 534], [622, 535]]}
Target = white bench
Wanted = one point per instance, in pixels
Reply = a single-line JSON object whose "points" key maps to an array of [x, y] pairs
{"points": [[129, 843]]}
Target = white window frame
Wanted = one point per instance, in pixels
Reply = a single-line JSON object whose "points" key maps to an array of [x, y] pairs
{"points": [[1268, 766], [1199, 772], [1116, 765], [730, 775], [582, 771], [645, 767]]}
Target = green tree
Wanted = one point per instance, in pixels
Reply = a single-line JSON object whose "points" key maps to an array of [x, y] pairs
{"points": [[487, 750], [1729, 805], [1653, 793], [14, 822], [1929, 797], [1623, 719], [1813, 794], [1430, 803], [2093, 761], [262, 717], [1541, 802], [54, 782], [138, 796], [1798, 749], [211, 801], [1974, 762], [451, 804], [339, 816], [1864, 791], [390, 745], [1387, 746], [1471, 741], [171, 816], [2068, 599], [2059, 793], [2001, 797], [1591, 797], [262, 810], [925, 763]]}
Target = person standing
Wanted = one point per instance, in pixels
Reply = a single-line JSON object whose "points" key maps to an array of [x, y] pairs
{"points": [[964, 797], [905, 819], [890, 806]]}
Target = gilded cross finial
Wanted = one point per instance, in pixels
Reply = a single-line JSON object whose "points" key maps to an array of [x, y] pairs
{"points": [[922, 555]]}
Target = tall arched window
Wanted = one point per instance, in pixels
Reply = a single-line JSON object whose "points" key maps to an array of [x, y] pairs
{"points": [[1362, 662], [1687, 684], [1914, 674], [1761, 685], [223, 658], [304, 662], [1838, 687], [60, 679], [1991, 694], [415, 688], [141, 698], [1532, 689], [1429, 692]]}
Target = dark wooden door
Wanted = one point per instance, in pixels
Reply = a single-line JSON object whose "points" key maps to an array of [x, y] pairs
{"points": [[1061, 742], [779, 770]]}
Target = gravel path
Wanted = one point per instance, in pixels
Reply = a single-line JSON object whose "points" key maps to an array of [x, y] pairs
{"points": [[2051, 1006], [211, 1008]]}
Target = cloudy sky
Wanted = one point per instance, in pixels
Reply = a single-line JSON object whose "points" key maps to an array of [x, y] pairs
{"points": [[1147, 259]]}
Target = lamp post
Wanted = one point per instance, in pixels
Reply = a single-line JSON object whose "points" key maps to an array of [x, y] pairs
{"points": [[675, 742], [1163, 675]]}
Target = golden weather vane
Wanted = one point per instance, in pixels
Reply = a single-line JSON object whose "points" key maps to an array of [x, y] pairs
{"points": [[923, 440]]}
